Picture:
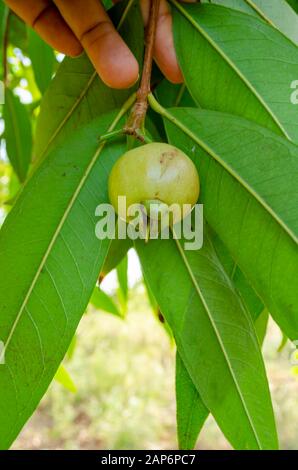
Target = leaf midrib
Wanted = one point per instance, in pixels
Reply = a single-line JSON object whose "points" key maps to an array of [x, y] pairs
{"points": [[232, 65], [217, 333], [68, 208]]}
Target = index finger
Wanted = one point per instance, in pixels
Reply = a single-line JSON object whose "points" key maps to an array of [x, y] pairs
{"points": [[109, 54], [44, 17]]}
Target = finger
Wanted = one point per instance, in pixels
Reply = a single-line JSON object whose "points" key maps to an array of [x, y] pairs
{"points": [[43, 16], [109, 54], [165, 54], [164, 49]]}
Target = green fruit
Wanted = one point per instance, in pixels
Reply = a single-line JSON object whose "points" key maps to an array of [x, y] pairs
{"points": [[154, 175]]}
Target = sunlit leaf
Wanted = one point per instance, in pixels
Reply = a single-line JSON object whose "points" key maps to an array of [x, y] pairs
{"points": [[294, 4], [63, 377], [50, 258]]}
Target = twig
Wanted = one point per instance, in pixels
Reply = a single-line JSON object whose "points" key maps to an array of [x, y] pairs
{"points": [[135, 122], [5, 47]]}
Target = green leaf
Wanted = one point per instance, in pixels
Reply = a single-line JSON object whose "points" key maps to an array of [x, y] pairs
{"points": [[117, 252], [215, 338], [187, 393], [173, 95], [261, 324], [103, 301], [50, 258], [42, 59], [191, 411], [63, 377], [72, 347], [18, 134], [77, 95], [224, 72], [122, 275], [249, 191], [275, 12], [17, 30]]}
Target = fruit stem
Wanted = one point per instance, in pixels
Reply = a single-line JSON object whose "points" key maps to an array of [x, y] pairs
{"points": [[136, 120]]}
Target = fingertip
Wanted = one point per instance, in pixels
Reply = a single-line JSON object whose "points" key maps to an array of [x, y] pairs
{"points": [[113, 60], [174, 74], [74, 49], [124, 78]]}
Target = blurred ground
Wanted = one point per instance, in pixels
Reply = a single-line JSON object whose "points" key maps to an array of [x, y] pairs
{"points": [[124, 372]]}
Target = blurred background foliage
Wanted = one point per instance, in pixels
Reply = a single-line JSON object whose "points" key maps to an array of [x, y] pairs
{"points": [[115, 388]]}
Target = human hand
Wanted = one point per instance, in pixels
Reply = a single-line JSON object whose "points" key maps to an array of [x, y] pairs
{"points": [[73, 25]]}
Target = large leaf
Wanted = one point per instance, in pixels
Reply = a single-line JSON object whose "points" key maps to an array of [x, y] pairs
{"points": [[50, 259], [190, 409], [275, 12], [63, 377], [249, 190], [18, 134], [224, 72], [77, 95], [215, 338]]}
